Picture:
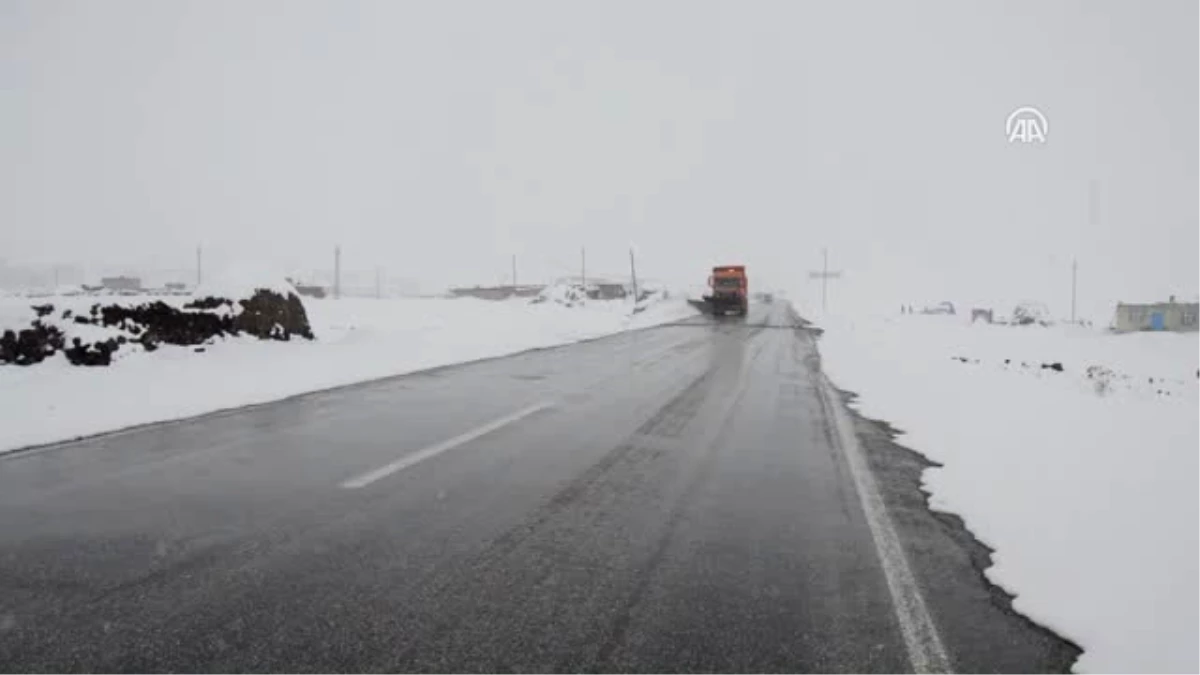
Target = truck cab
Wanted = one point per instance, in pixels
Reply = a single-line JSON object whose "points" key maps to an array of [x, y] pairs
{"points": [[730, 290]]}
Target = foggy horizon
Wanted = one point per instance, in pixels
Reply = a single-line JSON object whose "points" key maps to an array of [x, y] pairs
{"points": [[435, 141]]}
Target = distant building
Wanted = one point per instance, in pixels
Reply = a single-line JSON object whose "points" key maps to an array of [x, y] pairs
{"points": [[606, 290], [984, 315], [311, 291], [598, 288], [1170, 315], [307, 290], [946, 307], [497, 292], [121, 283], [176, 286]]}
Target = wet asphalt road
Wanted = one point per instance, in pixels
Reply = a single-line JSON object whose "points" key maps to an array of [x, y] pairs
{"points": [[663, 500]]}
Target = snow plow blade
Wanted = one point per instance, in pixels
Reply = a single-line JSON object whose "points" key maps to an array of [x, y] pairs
{"points": [[719, 306]]}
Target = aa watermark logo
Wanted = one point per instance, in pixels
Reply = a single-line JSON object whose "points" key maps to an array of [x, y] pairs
{"points": [[1026, 125]]}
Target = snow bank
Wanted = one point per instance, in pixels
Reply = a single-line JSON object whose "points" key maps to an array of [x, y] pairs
{"points": [[1087, 492], [567, 294], [357, 339]]}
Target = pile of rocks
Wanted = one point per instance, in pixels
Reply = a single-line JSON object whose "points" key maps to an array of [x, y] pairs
{"points": [[93, 354], [267, 315], [31, 345], [270, 316]]}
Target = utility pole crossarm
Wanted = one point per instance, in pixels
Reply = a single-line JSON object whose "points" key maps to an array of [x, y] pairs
{"points": [[824, 275]]}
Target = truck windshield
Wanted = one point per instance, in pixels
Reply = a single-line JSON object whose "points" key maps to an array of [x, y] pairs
{"points": [[726, 282]]}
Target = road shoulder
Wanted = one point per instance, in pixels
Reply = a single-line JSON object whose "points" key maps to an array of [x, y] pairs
{"points": [[975, 618]]}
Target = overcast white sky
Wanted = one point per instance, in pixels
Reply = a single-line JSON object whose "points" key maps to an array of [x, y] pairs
{"points": [[438, 138]]}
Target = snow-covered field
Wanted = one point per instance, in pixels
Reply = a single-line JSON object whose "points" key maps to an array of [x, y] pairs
{"points": [[357, 339], [1085, 486]]}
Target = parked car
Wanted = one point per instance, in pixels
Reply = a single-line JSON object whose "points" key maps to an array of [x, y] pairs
{"points": [[1029, 313], [946, 307]]}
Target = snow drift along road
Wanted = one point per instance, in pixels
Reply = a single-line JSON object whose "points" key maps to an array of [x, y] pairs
{"points": [[1087, 491]]}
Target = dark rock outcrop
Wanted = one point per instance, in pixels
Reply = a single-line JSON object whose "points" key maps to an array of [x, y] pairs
{"points": [[93, 354], [208, 303], [31, 345], [164, 323], [267, 315]]}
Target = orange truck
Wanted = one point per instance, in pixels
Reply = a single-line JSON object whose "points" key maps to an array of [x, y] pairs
{"points": [[730, 291]]}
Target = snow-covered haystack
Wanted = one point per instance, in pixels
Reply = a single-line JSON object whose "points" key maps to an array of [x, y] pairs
{"points": [[92, 335]]}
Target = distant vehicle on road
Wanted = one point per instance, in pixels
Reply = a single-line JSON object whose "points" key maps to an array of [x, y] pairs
{"points": [[729, 290]]}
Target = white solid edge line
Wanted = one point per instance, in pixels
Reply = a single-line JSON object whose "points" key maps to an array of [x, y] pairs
{"points": [[425, 453], [926, 653]]}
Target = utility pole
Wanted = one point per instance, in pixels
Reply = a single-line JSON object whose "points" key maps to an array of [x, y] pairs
{"points": [[824, 280], [583, 268], [514, 272], [337, 272], [1074, 274], [824, 275], [56, 278], [378, 286], [633, 274], [199, 266]]}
